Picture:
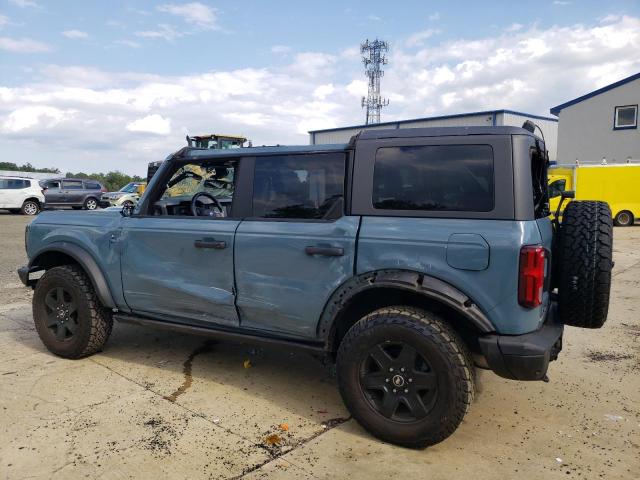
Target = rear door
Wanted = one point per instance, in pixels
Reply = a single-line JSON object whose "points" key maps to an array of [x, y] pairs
{"points": [[72, 192], [298, 246]]}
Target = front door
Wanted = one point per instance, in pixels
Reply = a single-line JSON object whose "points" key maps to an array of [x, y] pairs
{"points": [[298, 246], [53, 194], [177, 266]]}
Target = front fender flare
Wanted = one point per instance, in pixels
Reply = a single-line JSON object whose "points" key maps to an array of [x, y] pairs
{"points": [[86, 261], [426, 285]]}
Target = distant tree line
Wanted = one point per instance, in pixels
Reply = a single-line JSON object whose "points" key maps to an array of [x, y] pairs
{"points": [[113, 180], [27, 167]]}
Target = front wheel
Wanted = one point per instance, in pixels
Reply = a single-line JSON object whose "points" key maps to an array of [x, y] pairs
{"points": [[67, 314], [90, 203], [405, 376]]}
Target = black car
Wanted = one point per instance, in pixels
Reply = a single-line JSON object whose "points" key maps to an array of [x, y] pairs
{"points": [[72, 192]]}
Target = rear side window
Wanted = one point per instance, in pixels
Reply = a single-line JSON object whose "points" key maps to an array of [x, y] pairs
{"points": [[299, 186], [434, 177], [92, 185], [72, 184], [14, 184]]}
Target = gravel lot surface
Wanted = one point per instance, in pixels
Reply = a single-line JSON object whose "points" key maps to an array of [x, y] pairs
{"points": [[158, 405]]}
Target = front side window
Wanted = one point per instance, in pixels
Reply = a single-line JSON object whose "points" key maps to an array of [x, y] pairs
{"points": [[626, 117], [299, 186], [202, 189], [434, 178], [72, 184]]}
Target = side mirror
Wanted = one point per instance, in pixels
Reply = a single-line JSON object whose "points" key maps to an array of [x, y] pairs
{"points": [[126, 211]]}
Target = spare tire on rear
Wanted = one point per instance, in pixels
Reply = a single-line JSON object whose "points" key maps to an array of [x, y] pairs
{"points": [[584, 263]]}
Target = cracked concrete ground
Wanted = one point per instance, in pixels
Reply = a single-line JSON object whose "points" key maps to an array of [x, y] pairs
{"points": [[163, 405]]}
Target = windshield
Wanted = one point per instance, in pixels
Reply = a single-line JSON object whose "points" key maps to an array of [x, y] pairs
{"points": [[129, 188]]}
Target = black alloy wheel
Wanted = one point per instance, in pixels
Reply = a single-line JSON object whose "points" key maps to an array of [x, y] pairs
{"points": [[398, 382]]}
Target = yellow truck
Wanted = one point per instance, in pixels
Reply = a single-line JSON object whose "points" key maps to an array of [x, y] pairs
{"points": [[618, 185]]}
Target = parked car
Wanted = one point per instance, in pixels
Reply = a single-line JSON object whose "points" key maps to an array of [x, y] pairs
{"points": [[409, 256], [20, 194], [127, 196], [72, 192]]}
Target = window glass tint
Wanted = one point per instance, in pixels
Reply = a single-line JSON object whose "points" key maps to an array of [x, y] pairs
{"points": [[51, 184], [441, 178], [299, 186], [13, 184], [193, 178], [92, 185], [72, 184], [626, 116]]}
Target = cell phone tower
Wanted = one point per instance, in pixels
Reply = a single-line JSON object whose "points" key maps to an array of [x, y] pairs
{"points": [[373, 59]]}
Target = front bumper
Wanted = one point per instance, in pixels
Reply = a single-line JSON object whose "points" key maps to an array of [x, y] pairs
{"points": [[23, 273], [524, 357]]}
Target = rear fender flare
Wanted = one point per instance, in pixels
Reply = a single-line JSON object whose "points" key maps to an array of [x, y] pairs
{"points": [[411, 281]]}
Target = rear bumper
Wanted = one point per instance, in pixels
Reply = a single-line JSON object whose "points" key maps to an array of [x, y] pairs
{"points": [[524, 357]]}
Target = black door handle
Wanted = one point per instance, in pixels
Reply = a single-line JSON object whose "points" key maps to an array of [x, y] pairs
{"points": [[325, 251], [215, 244]]}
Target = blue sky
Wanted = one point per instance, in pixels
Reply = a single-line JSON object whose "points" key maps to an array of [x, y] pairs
{"points": [[114, 84]]}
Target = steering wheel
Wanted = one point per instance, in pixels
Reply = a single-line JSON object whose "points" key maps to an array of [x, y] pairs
{"points": [[208, 210]]}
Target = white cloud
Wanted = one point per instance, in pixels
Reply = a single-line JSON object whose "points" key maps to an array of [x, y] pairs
{"points": [[25, 3], [23, 45], [127, 43], [164, 31], [155, 124], [194, 13], [417, 39], [514, 27], [75, 34], [434, 16], [34, 116], [281, 49], [142, 117], [323, 91], [562, 2], [4, 20]]}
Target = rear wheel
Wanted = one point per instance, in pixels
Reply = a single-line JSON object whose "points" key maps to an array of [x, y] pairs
{"points": [[67, 314], [406, 376], [584, 264], [30, 207], [624, 219], [90, 203]]}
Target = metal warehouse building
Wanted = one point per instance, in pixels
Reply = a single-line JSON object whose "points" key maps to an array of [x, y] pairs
{"points": [[548, 125]]}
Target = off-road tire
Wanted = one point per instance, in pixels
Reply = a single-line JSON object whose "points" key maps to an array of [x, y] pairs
{"points": [[624, 219], [94, 322], [585, 249], [30, 207], [431, 337], [91, 203]]}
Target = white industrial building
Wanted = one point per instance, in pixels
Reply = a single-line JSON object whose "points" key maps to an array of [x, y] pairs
{"points": [[601, 125], [548, 125]]}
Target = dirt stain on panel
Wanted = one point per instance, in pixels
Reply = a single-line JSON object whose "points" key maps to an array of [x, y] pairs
{"points": [[186, 370]]}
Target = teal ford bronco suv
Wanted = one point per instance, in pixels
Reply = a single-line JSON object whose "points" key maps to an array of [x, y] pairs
{"points": [[408, 256]]}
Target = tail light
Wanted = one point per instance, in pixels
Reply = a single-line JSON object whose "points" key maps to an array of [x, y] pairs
{"points": [[531, 275]]}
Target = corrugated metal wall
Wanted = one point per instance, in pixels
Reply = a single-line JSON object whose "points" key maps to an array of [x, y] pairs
{"points": [[461, 121]]}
